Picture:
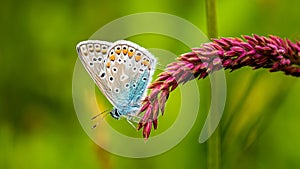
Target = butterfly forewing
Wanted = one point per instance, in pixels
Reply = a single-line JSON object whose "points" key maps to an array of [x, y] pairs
{"points": [[92, 54]]}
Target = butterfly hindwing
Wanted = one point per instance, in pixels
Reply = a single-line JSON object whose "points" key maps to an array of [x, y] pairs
{"points": [[131, 66]]}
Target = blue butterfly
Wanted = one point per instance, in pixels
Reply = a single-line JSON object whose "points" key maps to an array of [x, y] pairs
{"points": [[122, 70]]}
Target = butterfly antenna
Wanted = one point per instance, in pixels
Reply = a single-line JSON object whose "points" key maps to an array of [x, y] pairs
{"points": [[95, 125], [94, 117], [98, 122]]}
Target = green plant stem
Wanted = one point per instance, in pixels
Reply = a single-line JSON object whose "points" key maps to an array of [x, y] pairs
{"points": [[213, 146], [211, 18], [213, 143]]}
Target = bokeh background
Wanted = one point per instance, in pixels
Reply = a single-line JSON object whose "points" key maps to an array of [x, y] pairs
{"points": [[38, 125]]}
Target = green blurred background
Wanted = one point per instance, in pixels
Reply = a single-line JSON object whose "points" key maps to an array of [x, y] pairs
{"points": [[38, 125]]}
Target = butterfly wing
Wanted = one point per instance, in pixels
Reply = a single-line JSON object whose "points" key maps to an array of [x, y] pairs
{"points": [[93, 54], [130, 68], [122, 70]]}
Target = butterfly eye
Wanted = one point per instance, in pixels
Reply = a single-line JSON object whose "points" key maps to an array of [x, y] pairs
{"points": [[127, 85], [117, 90], [144, 79], [134, 85], [94, 59], [91, 64], [134, 69]]}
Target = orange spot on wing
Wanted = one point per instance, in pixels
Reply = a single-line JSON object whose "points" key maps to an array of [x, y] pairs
{"points": [[138, 58], [108, 64], [124, 51], [130, 54], [118, 51], [112, 57], [104, 51], [146, 63]]}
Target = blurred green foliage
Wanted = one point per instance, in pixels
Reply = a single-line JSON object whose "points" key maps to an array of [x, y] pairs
{"points": [[38, 124]]}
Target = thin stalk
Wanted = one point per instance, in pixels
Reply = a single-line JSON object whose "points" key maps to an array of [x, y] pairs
{"points": [[213, 143], [213, 150], [211, 18]]}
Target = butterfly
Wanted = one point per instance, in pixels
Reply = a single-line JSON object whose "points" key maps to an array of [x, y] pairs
{"points": [[122, 70]]}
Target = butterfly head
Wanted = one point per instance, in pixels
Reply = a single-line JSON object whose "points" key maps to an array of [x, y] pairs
{"points": [[115, 114]]}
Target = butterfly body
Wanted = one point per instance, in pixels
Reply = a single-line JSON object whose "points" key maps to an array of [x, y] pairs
{"points": [[122, 71]]}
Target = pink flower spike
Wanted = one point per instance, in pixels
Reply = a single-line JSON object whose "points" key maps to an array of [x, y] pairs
{"points": [[155, 124], [140, 125], [147, 129], [273, 53], [237, 49], [145, 106]]}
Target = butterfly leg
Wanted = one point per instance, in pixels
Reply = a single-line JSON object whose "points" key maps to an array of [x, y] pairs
{"points": [[133, 118], [128, 120]]}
